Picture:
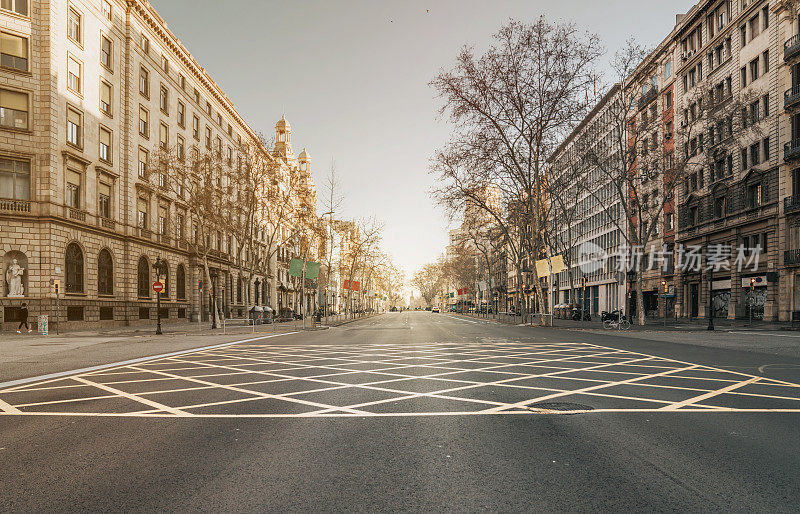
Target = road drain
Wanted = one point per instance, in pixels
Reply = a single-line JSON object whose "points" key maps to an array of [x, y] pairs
{"points": [[558, 408]]}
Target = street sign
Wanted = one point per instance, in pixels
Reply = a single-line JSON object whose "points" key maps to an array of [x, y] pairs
{"points": [[158, 287]]}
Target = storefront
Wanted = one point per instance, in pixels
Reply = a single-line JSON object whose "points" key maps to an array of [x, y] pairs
{"points": [[721, 297]]}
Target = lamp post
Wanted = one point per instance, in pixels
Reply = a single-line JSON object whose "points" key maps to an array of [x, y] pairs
{"points": [[160, 268], [710, 301], [213, 273]]}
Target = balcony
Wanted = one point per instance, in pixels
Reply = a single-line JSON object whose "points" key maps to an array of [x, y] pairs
{"points": [[791, 97], [791, 257], [791, 203], [9, 205], [791, 47], [647, 97], [791, 150], [77, 214], [107, 223]]}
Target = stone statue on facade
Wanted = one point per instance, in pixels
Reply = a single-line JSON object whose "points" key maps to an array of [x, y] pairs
{"points": [[14, 279]]}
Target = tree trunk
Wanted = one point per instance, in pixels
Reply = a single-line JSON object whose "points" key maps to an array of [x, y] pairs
{"points": [[212, 290]]}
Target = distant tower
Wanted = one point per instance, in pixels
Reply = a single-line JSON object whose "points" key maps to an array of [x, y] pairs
{"points": [[283, 139], [305, 162]]}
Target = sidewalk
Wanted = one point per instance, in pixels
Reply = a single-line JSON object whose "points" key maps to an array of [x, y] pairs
{"points": [[652, 324], [764, 338]]}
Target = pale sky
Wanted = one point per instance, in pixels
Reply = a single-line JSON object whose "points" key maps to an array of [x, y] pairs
{"points": [[352, 77]]}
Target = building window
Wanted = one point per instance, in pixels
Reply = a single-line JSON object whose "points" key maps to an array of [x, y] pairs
{"points": [[73, 260], [163, 136], [144, 82], [105, 273], [162, 220], [180, 148], [142, 163], [107, 10], [196, 96], [755, 156], [105, 145], [18, 6], [14, 52], [74, 75], [218, 146], [163, 99], [719, 207], [196, 127], [104, 200], [144, 43], [208, 137], [743, 158], [179, 224], [74, 123], [219, 120], [181, 114], [74, 180], [208, 107], [13, 109], [105, 98], [180, 282], [144, 122], [74, 25], [181, 81], [143, 275], [754, 196], [15, 179], [164, 64], [141, 213], [754, 70], [669, 222], [765, 58], [106, 52], [765, 148]]}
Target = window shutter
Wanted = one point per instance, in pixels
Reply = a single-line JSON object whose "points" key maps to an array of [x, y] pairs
{"points": [[74, 117], [13, 100], [105, 137], [74, 178], [105, 93], [14, 45]]}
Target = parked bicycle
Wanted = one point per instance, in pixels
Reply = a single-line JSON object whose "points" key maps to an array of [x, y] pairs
{"points": [[620, 323]]}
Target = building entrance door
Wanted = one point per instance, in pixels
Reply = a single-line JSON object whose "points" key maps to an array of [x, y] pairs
{"points": [[694, 300]]}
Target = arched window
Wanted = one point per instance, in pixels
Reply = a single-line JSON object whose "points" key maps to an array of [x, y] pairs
{"points": [[180, 283], [74, 269], [105, 273], [144, 278]]}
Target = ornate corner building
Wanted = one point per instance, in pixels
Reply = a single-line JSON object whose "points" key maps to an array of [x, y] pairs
{"points": [[90, 91]]}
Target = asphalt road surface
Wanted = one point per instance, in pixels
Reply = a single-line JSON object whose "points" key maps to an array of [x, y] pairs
{"points": [[411, 412]]}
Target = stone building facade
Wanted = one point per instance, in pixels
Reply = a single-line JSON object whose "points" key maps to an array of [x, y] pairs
{"points": [[90, 90]]}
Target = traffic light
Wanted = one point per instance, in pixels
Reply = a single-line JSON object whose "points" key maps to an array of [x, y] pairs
{"points": [[664, 286], [752, 284], [583, 281], [56, 285]]}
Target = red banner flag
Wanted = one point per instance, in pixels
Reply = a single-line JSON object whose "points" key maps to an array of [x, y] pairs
{"points": [[356, 285]]}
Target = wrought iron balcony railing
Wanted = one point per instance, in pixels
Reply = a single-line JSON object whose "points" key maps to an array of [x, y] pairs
{"points": [[791, 47], [791, 150]]}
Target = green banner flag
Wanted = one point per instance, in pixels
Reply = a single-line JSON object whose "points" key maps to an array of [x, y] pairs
{"points": [[312, 270], [296, 267]]}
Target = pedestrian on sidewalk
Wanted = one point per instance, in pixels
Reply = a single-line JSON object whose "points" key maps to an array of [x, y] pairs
{"points": [[23, 313]]}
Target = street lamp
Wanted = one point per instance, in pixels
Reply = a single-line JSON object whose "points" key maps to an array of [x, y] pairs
{"points": [[710, 300], [664, 303], [160, 267], [214, 275]]}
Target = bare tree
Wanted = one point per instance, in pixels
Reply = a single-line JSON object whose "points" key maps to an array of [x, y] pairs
{"points": [[428, 280], [511, 107]]}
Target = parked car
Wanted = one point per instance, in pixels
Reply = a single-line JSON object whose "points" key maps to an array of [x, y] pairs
{"points": [[435, 309]]}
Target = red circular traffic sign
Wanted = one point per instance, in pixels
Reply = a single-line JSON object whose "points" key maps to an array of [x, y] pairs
{"points": [[158, 287]]}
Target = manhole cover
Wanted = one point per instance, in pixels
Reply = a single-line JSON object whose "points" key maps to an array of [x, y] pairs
{"points": [[558, 408]]}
